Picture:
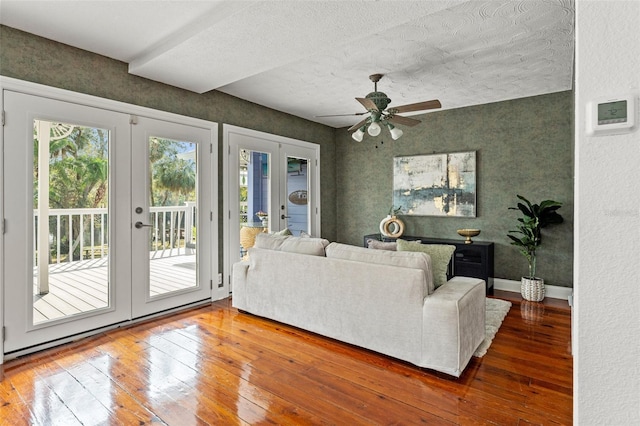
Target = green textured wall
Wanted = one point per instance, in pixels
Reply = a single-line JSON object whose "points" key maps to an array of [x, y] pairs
{"points": [[27, 57], [523, 146]]}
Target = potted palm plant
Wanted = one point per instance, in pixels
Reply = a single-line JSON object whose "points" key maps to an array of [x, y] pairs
{"points": [[528, 237]]}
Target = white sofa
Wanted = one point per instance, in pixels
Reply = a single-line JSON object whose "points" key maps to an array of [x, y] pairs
{"points": [[380, 300]]}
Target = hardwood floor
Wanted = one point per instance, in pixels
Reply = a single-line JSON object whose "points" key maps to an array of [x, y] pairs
{"points": [[213, 365]]}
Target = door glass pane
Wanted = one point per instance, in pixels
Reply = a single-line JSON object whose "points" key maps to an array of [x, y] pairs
{"points": [[297, 196], [173, 218], [70, 221], [254, 197]]}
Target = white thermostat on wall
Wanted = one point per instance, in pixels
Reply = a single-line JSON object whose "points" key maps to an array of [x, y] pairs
{"points": [[612, 115]]}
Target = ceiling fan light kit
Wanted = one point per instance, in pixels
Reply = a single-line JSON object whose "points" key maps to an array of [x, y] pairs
{"points": [[358, 134], [376, 105], [374, 129], [395, 132]]}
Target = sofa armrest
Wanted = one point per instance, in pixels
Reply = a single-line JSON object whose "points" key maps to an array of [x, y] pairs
{"points": [[454, 324], [238, 284]]}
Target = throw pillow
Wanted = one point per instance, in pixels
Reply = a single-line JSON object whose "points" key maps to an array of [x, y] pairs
{"points": [[440, 257], [381, 245], [305, 234], [406, 259], [305, 245], [285, 231], [270, 241]]}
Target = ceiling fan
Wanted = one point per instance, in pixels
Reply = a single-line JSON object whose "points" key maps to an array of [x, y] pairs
{"points": [[376, 105]]}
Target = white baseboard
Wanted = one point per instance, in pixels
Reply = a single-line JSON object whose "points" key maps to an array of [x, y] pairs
{"points": [[552, 291]]}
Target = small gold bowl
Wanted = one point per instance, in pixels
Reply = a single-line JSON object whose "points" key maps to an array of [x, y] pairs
{"points": [[468, 233]]}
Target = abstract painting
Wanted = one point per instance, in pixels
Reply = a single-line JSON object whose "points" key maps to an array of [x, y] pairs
{"points": [[435, 185]]}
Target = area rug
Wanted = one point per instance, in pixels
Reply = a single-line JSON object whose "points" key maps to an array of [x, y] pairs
{"points": [[497, 310]]}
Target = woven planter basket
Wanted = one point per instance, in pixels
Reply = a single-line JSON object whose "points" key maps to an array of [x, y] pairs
{"points": [[532, 289], [248, 236]]}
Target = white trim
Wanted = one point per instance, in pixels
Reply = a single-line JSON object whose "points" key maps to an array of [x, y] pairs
{"points": [[104, 329], [1, 226], [26, 87], [217, 293], [552, 291]]}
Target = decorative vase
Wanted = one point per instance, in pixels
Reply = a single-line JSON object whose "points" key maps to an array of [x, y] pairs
{"points": [[468, 233], [382, 222], [532, 289], [391, 227]]}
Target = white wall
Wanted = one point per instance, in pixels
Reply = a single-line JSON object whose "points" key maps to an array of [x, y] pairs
{"points": [[607, 227]]}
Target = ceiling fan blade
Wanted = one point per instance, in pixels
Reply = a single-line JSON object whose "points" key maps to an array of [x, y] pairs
{"points": [[398, 119], [358, 125], [420, 106], [342, 115], [368, 104]]}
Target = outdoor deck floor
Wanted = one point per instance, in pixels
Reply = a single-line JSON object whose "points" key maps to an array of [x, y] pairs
{"points": [[82, 286]]}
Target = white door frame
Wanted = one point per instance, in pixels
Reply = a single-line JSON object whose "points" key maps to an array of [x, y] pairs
{"points": [[229, 132], [35, 89]]}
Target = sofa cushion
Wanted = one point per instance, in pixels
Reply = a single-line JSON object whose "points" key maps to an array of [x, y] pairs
{"points": [[270, 241], [405, 259], [440, 257], [305, 245]]}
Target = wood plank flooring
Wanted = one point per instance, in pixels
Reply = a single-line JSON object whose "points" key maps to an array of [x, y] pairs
{"points": [[213, 365]]}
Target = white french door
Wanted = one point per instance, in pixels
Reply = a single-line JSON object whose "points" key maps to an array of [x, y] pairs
{"points": [[76, 181], [172, 215], [59, 159], [272, 185]]}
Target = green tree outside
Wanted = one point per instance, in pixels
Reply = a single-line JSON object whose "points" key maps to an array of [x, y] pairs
{"points": [[79, 177]]}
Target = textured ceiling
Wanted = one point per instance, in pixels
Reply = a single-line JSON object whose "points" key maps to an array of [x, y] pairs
{"points": [[311, 58]]}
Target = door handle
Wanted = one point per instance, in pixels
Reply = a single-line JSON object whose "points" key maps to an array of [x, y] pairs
{"points": [[284, 217], [140, 225]]}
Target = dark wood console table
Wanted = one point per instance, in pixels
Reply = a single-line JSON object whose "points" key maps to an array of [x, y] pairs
{"points": [[469, 260]]}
